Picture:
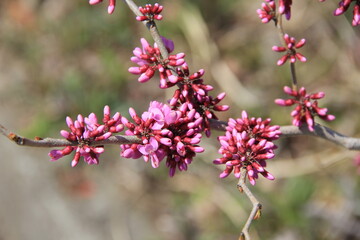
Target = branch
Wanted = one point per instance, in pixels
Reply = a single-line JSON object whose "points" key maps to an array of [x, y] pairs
{"points": [[256, 210], [54, 142], [319, 131], [287, 131]]}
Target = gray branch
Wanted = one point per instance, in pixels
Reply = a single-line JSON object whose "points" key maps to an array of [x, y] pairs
{"points": [[287, 131], [319, 131]]}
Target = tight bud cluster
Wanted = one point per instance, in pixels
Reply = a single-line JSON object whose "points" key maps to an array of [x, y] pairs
{"points": [[290, 50], [247, 143], [306, 107], [149, 60], [85, 132], [150, 12], [268, 11]]}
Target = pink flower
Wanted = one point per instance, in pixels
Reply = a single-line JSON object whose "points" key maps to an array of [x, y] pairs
{"points": [[150, 13], [289, 48], [111, 6], [247, 143], [151, 151], [306, 107], [161, 114], [84, 132]]}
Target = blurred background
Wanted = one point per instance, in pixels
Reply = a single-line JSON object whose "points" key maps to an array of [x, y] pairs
{"points": [[62, 58]]}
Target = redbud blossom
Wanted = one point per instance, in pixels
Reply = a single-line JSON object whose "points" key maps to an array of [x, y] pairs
{"points": [[290, 47], [268, 11], [86, 131], [164, 132], [111, 6], [306, 107], [192, 90], [150, 60], [247, 143], [150, 13]]}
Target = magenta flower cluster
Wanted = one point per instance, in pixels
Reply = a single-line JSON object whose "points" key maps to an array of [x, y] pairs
{"points": [[290, 50], [268, 11], [306, 107], [175, 72], [164, 132], [344, 6], [248, 143], [149, 60], [192, 90], [150, 12], [84, 133]]}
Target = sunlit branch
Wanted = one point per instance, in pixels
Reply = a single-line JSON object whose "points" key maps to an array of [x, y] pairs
{"points": [[54, 142], [256, 210]]}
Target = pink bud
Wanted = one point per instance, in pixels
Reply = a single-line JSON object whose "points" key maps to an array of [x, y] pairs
{"points": [[92, 2]]}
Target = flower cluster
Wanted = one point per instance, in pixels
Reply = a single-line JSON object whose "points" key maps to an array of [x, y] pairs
{"points": [[175, 72], [150, 60], [289, 48], [268, 11], [111, 6], [150, 13], [344, 6], [164, 132], [285, 8], [192, 90], [306, 107], [84, 132], [247, 143]]}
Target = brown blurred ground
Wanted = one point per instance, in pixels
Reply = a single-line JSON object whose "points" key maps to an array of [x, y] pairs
{"points": [[60, 58]]}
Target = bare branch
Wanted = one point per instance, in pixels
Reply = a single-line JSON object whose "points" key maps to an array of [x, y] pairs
{"points": [[256, 210], [324, 133], [54, 142]]}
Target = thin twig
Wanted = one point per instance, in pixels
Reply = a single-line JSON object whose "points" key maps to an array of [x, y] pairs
{"points": [[281, 32], [256, 210], [293, 76], [54, 142]]}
